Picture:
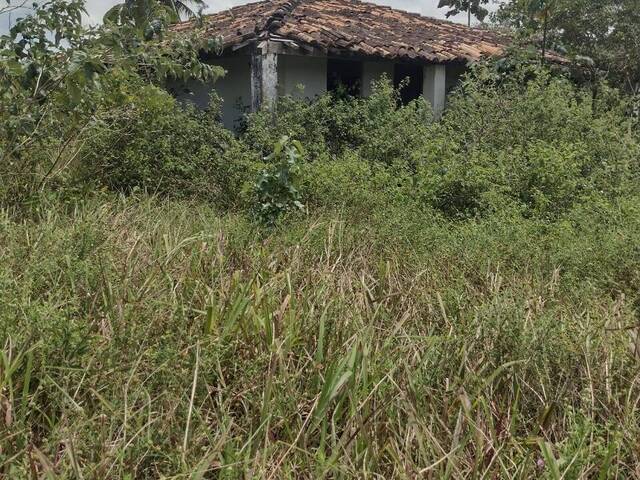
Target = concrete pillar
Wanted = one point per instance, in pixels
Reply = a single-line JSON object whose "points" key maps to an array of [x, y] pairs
{"points": [[264, 76], [256, 81], [435, 87], [269, 78]]}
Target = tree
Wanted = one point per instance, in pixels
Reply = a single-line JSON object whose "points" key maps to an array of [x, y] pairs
{"points": [[605, 34], [541, 10], [472, 7], [150, 15], [53, 71]]}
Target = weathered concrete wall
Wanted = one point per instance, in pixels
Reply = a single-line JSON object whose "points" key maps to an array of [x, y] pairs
{"points": [[373, 71], [234, 89], [264, 77], [310, 72], [293, 70]]}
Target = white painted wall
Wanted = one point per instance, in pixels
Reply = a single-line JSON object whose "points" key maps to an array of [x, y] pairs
{"points": [[234, 89], [310, 72]]}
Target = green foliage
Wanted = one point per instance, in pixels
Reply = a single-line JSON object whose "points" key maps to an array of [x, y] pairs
{"points": [[530, 141], [515, 139], [276, 188], [356, 184], [602, 36], [302, 120], [520, 140], [144, 140], [332, 126], [145, 337], [52, 72], [150, 17], [471, 7]]}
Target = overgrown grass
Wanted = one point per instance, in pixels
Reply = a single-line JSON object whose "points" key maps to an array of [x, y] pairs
{"points": [[145, 339], [392, 297]]}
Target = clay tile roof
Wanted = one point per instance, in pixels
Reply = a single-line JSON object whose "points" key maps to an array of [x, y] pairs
{"points": [[352, 26]]}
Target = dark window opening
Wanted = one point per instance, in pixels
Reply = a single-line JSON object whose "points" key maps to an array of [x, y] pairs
{"points": [[408, 78], [344, 77]]}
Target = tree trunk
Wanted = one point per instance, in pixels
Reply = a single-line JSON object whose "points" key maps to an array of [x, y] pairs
{"points": [[544, 36]]}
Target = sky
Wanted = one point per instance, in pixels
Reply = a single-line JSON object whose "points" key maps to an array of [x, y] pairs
{"points": [[425, 7], [97, 8]]}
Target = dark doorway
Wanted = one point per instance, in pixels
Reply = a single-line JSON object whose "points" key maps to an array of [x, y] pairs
{"points": [[344, 77], [408, 78]]}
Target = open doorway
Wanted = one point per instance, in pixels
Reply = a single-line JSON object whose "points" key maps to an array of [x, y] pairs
{"points": [[344, 77], [408, 78]]}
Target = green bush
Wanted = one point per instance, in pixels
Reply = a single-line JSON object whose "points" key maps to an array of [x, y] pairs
{"points": [[375, 126], [536, 146], [350, 182], [528, 143], [276, 188], [301, 119], [145, 140]]}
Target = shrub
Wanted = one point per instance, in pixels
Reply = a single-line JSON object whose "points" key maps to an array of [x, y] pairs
{"points": [[52, 73], [145, 140], [276, 189], [301, 119], [375, 126], [535, 145], [351, 182]]}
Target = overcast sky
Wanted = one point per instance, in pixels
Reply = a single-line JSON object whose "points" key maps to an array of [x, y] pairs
{"points": [[97, 8], [426, 7]]}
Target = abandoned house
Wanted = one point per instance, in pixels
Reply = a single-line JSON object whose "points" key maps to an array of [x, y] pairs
{"points": [[305, 48]]}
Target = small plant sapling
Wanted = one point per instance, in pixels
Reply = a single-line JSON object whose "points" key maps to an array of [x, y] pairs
{"points": [[276, 187]]}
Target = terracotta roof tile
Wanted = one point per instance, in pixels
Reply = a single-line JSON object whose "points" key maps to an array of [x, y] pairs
{"points": [[352, 26]]}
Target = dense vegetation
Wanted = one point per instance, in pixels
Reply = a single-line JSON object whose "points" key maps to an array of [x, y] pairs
{"points": [[602, 37], [345, 289]]}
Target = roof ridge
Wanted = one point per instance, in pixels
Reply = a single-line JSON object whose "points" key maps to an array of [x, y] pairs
{"points": [[354, 26], [277, 18]]}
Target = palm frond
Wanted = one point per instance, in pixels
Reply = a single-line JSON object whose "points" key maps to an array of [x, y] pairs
{"points": [[118, 15], [187, 8]]}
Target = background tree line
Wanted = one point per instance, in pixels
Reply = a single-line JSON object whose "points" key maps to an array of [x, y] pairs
{"points": [[602, 36]]}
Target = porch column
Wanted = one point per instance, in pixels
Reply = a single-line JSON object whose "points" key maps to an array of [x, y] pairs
{"points": [[264, 76], [434, 87]]}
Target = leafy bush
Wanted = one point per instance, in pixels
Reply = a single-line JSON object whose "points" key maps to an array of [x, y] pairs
{"points": [[537, 144], [300, 119], [276, 190], [528, 142], [52, 73], [147, 141], [375, 126], [351, 182]]}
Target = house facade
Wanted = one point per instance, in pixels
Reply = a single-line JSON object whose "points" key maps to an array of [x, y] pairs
{"points": [[305, 48]]}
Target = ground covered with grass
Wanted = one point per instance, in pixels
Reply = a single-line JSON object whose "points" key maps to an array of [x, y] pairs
{"points": [[345, 288], [146, 338]]}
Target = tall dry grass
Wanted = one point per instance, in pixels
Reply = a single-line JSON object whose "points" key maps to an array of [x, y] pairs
{"points": [[143, 339]]}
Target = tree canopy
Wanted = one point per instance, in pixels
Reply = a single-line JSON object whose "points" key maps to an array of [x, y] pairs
{"points": [[604, 34], [150, 15], [472, 7]]}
